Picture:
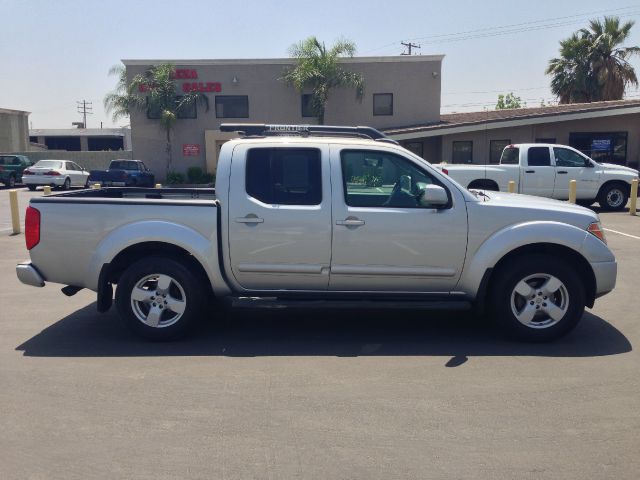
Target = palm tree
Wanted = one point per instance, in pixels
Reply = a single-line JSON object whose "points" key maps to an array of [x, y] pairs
{"points": [[118, 102], [593, 66], [318, 69], [609, 61], [153, 92]]}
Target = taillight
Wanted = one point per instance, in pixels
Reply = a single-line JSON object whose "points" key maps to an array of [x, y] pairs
{"points": [[32, 227], [445, 171], [53, 172], [26, 171]]}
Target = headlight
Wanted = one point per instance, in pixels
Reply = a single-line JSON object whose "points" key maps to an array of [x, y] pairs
{"points": [[595, 228]]}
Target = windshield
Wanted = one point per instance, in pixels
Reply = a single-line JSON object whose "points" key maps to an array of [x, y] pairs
{"points": [[49, 164]]}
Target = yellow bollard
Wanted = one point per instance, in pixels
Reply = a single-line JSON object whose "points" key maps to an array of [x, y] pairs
{"points": [[47, 190], [512, 186], [15, 211], [95, 186], [158, 185], [572, 191], [634, 197]]}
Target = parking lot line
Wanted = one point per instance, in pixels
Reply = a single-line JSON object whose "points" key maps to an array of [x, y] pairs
{"points": [[621, 233]]}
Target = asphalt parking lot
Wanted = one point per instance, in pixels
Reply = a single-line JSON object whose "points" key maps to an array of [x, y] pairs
{"points": [[316, 394]]}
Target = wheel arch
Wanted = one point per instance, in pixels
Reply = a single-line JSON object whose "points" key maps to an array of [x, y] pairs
{"points": [[612, 182], [482, 183]]}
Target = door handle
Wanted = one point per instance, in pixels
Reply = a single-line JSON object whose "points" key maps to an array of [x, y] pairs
{"points": [[529, 171], [249, 219], [350, 222], [562, 172]]}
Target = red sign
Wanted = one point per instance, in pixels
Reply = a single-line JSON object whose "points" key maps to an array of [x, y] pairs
{"points": [[185, 73], [190, 149], [201, 87]]}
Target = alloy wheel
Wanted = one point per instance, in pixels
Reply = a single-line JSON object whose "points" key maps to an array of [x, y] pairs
{"points": [[158, 300], [539, 301]]}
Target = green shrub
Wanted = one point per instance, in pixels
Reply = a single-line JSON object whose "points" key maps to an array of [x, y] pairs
{"points": [[194, 174], [175, 178], [208, 178]]}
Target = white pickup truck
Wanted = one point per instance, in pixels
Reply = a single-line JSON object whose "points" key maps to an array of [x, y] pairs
{"points": [[307, 213], [545, 170]]}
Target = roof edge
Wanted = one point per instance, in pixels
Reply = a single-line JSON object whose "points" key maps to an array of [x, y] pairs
{"points": [[279, 61]]}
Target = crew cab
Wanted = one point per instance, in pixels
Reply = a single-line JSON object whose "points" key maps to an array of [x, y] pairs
{"points": [[124, 173], [302, 214], [545, 170]]}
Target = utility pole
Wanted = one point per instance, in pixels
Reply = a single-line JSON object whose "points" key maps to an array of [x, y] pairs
{"points": [[409, 46], [85, 108]]}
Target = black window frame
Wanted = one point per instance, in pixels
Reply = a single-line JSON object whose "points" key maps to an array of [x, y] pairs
{"points": [[491, 142], [453, 147], [374, 105], [227, 97], [182, 115], [316, 151], [306, 104], [435, 180]]}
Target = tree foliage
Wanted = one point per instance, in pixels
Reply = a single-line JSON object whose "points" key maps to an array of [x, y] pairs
{"points": [[509, 101], [318, 69], [593, 65], [152, 91]]}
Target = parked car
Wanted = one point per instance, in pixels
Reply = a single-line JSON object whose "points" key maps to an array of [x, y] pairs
{"points": [[339, 218], [56, 173], [11, 168], [124, 173], [545, 170]]}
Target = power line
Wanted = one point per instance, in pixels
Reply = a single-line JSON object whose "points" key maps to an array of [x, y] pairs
{"points": [[409, 46], [85, 108], [512, 28]]}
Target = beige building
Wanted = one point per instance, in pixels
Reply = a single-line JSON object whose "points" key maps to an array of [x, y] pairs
{"points": [[402, 97], [402, 90], [14, 130]]}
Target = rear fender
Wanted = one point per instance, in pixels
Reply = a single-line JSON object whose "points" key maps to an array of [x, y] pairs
{"points": [[203, 249]]}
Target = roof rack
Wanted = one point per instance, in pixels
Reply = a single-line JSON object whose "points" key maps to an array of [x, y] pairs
{"points": [[263, 130]]}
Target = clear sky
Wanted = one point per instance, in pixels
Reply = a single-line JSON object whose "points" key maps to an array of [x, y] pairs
{"points": [[54, 53]]}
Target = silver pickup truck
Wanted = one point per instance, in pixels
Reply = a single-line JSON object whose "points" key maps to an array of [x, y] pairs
{"points": [[339, 214]]}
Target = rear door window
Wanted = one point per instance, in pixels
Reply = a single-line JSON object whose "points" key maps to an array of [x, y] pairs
{"points": [[510, 156], [539, 157], [284, 176]]}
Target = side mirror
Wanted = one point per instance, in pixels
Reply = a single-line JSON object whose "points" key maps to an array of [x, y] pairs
{"points": [[433, 196]]}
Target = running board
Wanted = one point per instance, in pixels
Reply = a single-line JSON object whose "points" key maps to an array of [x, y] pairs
{"points": [[266, 302]]}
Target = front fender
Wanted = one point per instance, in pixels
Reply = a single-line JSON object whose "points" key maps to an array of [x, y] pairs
{"points": [[512, 237], [202, 248]]}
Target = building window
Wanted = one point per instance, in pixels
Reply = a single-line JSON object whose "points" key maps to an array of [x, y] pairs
{"points": [[546, 140], [284, 176], [495, 149], [188, 110], [33, 139], [462, 152], [307, 109], [153, 111], [383, 103], [608, 147], [415, 147], [232, 106], [71, 144]]}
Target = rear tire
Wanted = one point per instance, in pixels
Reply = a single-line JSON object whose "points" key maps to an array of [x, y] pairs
{"points": [[537, 298], [159, 298], [613, 196], [11, 182], [484, 185]]}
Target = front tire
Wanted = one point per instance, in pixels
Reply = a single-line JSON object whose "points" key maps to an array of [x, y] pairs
{"points": [[31, 187], [613, 197], [67, 184], [159, 298], [537, 298]]}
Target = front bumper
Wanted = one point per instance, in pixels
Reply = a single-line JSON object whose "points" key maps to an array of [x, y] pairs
{"points": [[29, 275], [605, 273], [40, 180]]}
